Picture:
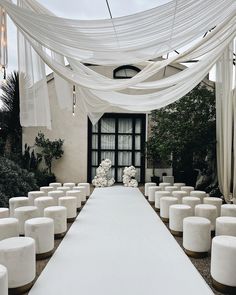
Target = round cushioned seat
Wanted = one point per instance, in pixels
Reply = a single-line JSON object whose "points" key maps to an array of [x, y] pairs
{"points": [[46, 189], [9, 227], [59, 215], [151, 193], [199, 194], [87, 185], [179, 185], [171, 189], [207, 211], [196, 236], [146, 186], [18, 256], [158, 196], [56, 195], [4, 212], [165, 203], [78, 195], [42, 203], [226, 226], [55, 185], [177, 213], [70, 203], [63, 189], [34, 195], [83, 190], [23, 214], [179, 195], [163, 185], [17, 202], [192, 202], [214, 201], [41, 229], [223, 264], [3, 280], [187, 189], [169, 179], [228, 210], [69, 184]]}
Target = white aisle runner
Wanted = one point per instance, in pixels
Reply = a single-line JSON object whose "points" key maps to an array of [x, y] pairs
{"points": [[119, 246]]}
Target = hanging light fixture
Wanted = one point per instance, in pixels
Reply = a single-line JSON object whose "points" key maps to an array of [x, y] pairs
{"points": [[3, 42], [73, 100]]}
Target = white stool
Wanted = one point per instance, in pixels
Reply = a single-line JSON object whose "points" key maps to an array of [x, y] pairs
{"points": [[214, 201], [17, 202], [228, 210], [70, 203], [177, 214], [56, 195], [87, 185], [171, 189], [63, 189], [69, 184], [58, 214], [46, 189], [226, 226], [9, 227], [23, 214], [169, 179], [179, 185], [187, 189], [3, 280], [4, 212], [196, 236], [207, 211], [78, 194], [18, 256], [147, 185], [41, 229], [42, 203], [163, 185], [223, 264], [199, 194], [55, 185], [151, 193], [165, 203], [34, 195], [83, 192], [192, 202], [158, 196], [179, 195]]}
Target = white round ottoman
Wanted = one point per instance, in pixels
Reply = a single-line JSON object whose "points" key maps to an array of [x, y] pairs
{"points": [[223, 264], [158, 196], [187, 189], [17, 202], [87, 185], [34, 195], [4, 212], [23, 214], [199, 194], [171, 189], [56, 195], [196, 236], [164, 184], [207, 211], [147, 185], [83, 192], [55, 185], [228, 210], [46, 189], [41, 229], [3, 280], [151, 193], [226, 226], [69, 184], [59, 215], [9, 227], [70, 203], [63, 189], [165, 203], [192, 202], [177, 213], [179, 185], [18, 256], [79, 196], [169, 179], [179, 195], [42, 203], [214, 201]]}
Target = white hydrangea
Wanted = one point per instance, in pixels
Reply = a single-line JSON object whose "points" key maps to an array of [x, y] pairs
{"points": [[101, 179], [128, 177]]}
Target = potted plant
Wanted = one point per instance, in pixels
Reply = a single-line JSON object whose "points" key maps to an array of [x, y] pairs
{"points": [[152, 154]]}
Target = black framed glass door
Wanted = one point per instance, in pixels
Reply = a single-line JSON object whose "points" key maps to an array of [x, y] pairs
{"points": [[120, 138]]}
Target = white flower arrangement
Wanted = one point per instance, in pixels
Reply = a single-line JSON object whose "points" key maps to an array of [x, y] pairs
{"points": [[101, 179], [129, 177]]}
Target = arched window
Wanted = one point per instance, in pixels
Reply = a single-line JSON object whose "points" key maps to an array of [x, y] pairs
{"points": [[125, 72]]}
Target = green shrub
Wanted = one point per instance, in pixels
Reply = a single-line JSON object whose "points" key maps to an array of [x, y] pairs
{"points": [[43, 178]]}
